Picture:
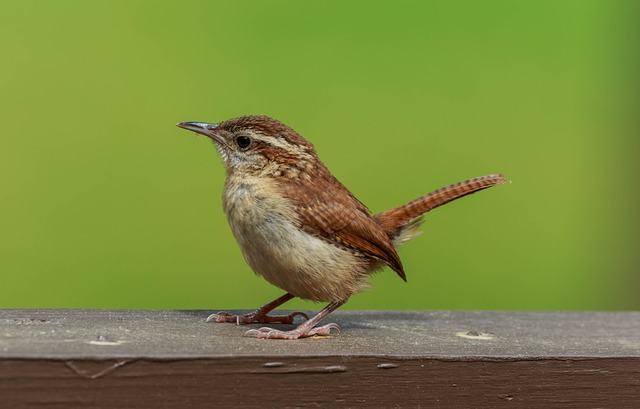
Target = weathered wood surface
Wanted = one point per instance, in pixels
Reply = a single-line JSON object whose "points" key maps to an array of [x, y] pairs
{"points": [[452, 359]]}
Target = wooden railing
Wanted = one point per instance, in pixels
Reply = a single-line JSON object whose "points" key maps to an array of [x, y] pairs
{"points": [[445, 359]]}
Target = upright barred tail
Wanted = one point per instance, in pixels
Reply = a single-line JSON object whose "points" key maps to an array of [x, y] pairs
{"points": [[401, 223]]}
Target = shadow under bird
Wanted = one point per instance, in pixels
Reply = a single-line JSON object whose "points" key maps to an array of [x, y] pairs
{"points": [[300, 228]]}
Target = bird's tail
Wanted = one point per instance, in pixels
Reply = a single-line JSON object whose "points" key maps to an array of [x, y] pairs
{"points": [[402, 223]]}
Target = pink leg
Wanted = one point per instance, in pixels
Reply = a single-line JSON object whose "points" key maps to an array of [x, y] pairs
{"points": [[259, 316], [304, 330]]}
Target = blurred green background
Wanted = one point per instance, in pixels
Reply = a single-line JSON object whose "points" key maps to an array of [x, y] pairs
{"points": [[104, 203]]}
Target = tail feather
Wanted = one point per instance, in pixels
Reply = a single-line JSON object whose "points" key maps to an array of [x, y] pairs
{"points": [[402, 223]]}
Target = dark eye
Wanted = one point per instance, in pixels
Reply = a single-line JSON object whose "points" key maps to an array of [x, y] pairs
{"points": [[243, 141]]}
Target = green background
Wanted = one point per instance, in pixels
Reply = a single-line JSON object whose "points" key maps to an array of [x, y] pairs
{"points": [[104, 203]]}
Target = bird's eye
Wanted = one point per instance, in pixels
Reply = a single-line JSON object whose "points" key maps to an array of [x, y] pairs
{"points": [[243, 141]]}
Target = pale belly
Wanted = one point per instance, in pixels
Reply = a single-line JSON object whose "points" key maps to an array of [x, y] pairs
{"points": [[301, 264]]}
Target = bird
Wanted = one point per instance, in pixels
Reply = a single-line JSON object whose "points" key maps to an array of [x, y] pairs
{"points": [[300, 228]]}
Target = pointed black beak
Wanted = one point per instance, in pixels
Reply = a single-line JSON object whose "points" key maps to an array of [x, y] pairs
{"points": [[203, 128]]}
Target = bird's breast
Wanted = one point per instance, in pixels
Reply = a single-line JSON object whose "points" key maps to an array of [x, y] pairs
{"points": [[265, 225]]}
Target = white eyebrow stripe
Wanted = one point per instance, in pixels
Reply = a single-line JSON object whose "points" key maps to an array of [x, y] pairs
{"points": [[282, 144]]}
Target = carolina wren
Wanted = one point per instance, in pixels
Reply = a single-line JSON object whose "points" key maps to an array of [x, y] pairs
{"points": [[300, 228]]}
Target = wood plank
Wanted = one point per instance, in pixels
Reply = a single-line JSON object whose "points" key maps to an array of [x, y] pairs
{"points": [[99, 358]]}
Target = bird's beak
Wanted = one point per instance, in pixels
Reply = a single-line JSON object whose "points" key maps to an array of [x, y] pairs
{"points": [[203, 128]]}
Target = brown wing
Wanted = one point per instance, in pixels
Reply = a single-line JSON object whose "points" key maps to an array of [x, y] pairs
{"points": [[327, 209]]}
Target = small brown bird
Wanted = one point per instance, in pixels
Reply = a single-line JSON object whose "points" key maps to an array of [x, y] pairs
{"points": [[300, 228]]}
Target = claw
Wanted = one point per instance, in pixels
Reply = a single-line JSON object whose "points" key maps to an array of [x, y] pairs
{"points": [[218, 317], [256, 332], [324, 330], [293, 315]]}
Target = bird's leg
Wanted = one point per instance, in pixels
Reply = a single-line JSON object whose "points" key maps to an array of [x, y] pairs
{"points": [[304, 330], [260, 316]]}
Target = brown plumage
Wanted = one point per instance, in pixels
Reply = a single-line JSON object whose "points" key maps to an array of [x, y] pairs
{"points": [[300, 228], [327, 209], [395, 220]]}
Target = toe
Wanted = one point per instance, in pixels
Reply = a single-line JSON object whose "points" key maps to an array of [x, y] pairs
{"points": [[270, 333]]}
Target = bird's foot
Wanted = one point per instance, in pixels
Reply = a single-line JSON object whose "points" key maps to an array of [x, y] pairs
{"points": [[255, 317], [300, 332]]}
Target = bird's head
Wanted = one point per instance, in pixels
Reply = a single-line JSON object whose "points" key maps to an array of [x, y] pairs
{"points": [[256, 144]]}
